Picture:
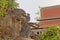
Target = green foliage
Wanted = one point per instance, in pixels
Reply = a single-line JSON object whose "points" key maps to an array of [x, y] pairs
{"points": [[4, 4], [52, 33], [8, 3], [15, 4]]}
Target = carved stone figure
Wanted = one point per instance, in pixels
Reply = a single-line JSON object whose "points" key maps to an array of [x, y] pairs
{"points": [[17, 23]]}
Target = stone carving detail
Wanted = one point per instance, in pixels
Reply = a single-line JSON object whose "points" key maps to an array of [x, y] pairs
{"points": [[17, 23]]}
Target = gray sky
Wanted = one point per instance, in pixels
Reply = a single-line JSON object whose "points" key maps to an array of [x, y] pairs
{"points": [[32, 6]]}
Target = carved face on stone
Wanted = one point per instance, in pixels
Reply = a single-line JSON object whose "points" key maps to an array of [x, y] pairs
{"points": [[20, 17], [18, 20]]}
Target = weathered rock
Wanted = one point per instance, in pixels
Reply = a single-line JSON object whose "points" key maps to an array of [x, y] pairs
{"points": [[16, 20], [17, 23], [25, 31]]}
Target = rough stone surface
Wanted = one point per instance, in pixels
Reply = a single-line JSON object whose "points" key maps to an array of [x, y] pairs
{"points": [[16, 21], [25, 31]]}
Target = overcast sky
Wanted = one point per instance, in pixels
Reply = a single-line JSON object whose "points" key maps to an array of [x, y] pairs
{"points": [[32, 6]]}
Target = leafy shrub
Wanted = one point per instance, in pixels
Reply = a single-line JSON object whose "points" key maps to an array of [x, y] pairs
{"points": [[4, 4], [52, 33]]}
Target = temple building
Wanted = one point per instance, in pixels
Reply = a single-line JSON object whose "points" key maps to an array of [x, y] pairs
{"points": [[50, 16]]}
